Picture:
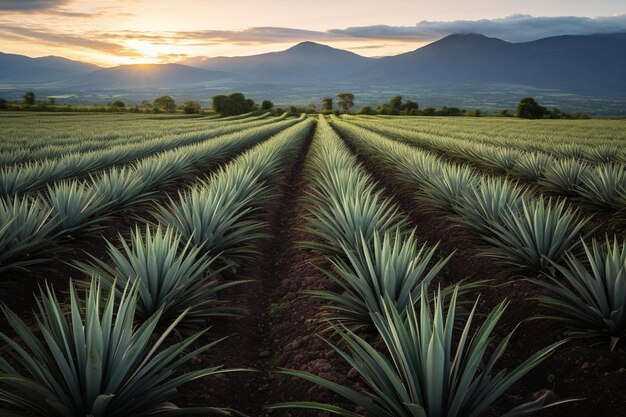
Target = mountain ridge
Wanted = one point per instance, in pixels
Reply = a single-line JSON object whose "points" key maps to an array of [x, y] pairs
{"points": [[586, 64]]}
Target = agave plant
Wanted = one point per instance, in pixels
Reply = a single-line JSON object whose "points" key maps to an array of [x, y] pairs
{"points": [[604, 186], [19, 178], [215, 216], [424, 371], [27, 225], [487, 203], [94, 361], [121, 187], [170, 279], [75, 204], [531, 166], [501, 159], [564, 176], [388, 265], [592, 302], [347, 210], [604, 154], [446, 189], [537, 234]]}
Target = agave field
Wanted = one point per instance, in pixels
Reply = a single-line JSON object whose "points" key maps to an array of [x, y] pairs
{"points": [[257, 265]]}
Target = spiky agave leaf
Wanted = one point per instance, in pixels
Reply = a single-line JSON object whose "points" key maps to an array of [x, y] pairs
{"points": [[535, 235], [216, 216], [120, 186], [76, 204], [426, 369], [350, 210], [173, 277], [531, 166], [604, 186], [592, 301], [94, 360], [387, 265], [445, 190], [487, 203], [27, 225], [564, 176]]}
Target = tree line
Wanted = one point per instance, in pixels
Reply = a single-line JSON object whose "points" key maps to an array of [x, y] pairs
{"points": [[236, 104]]}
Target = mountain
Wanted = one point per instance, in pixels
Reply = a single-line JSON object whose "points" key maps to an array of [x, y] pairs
{"points": [[592, 64], [139, 76], [306, 62], [20, 69]]}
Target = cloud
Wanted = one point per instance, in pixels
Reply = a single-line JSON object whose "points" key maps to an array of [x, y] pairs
{"points": [[58, 39], [516, 28], [30, 5], [257, 35]]}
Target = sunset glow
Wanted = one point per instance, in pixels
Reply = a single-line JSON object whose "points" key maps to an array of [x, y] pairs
{"points": [[112, 32]]}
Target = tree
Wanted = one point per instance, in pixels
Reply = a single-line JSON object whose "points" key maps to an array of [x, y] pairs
{"points": [[395, 106], [51, 101], [191, 107], [346, 101], [504, 113], [232, 104], [367, 110], [449, 111], [428, 111], [528, 108], [327, 104], [4, 103], [267, 105], [410, 107], [29, 98], [117, 104], [312, 107], [165, 103]]}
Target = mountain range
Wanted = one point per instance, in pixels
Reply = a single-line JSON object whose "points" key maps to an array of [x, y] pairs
{"points": [[588, 64]]}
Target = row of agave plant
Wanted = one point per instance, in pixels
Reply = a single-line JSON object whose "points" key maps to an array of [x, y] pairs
{"points": [[31, 175], [602, 184], [532, 233], [31, 224], [108, 356], [21, 144], [596, 146], [401, 337]]}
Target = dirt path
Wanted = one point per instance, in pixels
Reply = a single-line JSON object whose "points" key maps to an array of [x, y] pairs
{"points": [[279, 330]]}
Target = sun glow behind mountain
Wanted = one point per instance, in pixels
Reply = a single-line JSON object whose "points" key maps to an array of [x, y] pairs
{"points": [[117, 32]]}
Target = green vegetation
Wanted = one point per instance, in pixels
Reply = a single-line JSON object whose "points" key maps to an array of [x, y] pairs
{"points": [[375, 230], [233, 104], [424, 369], [94, 360]]}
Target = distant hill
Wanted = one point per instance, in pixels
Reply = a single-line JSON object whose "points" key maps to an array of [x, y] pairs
{"points": [[141, 76], [459, 65], [20, 69], [306, 62], [592, 64]]}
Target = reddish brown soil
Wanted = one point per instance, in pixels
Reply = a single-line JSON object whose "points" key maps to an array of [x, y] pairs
{"points": [[579, 369], [280, 330]]}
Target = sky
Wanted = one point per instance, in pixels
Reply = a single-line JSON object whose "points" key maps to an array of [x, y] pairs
{"points": [[116, 32]]}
